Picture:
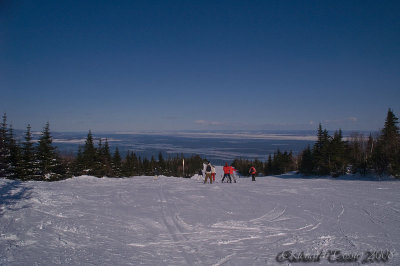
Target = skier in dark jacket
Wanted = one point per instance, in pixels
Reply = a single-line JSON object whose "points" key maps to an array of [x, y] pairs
{"points": [[253, 173], [156, 174], [208, 173]]}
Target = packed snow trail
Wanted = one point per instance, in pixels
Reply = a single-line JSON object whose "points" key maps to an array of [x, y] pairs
{"points": [[176, 221]]}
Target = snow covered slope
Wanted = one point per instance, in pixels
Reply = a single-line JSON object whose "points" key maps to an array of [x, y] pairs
{"points": [[175, 221]]}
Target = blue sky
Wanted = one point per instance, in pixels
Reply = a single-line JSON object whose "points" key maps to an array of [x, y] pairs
{"points": [[166, 65]]}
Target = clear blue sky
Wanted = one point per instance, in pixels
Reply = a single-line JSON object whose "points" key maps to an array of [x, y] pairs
{"points": [[162, 65]]}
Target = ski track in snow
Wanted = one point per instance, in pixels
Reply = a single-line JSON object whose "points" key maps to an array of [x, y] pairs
{"points": [[175, 221]]}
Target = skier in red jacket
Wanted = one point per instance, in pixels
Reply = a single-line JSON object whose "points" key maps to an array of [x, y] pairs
{"points": [[253, 173], [227, 173], [232, 171]]}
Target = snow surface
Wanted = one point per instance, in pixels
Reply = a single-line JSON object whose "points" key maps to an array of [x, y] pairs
{"points": [[176, 221]]}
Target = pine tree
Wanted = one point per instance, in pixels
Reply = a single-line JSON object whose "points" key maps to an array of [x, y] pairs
{"points": [[268, 166], [277, 166], [50, 167], [161, 164], [321, 153], [99, 168], [390, 132], [337, 153], [147, 170], [78, 165], [137, 165], [307, 162], [15, 157], [131, 165], [153, 165], [5, 152], [29, 169], [126, 165], [386, 155], [117, 163], [105, 159], [193, 165], [89, 160]]}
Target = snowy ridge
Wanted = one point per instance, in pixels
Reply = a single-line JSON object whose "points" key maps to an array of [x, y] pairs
{"points": [[175, 221]]}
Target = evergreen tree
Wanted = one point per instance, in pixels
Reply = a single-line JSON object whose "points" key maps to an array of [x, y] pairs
{"points": [[258, 165], [89, 158], [106, 160], [29, 168], [78, 165], [358, 153], [161, 164], [153, 165], [117, 163], [386, 155], [15, 157], [138, 168], [321, 153], [276, 163], [131, 166], [307, 162], [5, 152], [338, 158], [99, 168], [126, 165], [268, 166], [192, 165], [50, 167], [147, 170]]}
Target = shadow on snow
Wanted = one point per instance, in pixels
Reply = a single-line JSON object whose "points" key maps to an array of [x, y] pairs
{"points": [[12, 192]]}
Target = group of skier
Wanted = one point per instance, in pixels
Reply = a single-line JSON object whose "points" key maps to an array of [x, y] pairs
{"points": [[229, 173]]}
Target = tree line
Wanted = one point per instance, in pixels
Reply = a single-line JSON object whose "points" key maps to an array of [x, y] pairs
{"points": [[332, 155], [277, 164], [98, 161], [30, 160]]}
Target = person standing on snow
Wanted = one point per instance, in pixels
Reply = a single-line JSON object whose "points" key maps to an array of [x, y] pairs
{"points": [[253, 173], [213, 172], [232, 171], [208, 173], [227, 173], [156, 173]]}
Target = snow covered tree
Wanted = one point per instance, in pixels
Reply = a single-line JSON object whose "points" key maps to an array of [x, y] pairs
{"points": [[29, 163], [5, 152], [49, 164], [15, 157]]}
